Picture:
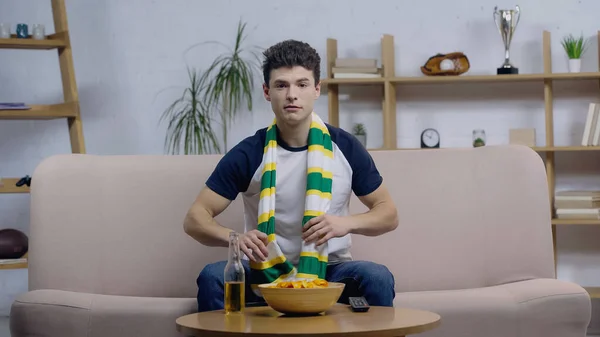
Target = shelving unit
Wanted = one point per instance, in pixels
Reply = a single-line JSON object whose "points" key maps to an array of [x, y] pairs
{"points": [[389, 81], [68, 110]]}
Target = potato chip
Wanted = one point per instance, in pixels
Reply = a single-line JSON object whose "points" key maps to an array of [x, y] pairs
{"points": [[302, 284]]}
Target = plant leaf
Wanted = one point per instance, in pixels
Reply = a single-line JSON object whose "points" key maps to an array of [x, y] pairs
{"points": [[219, 91], [574, 47], [185, 122]]}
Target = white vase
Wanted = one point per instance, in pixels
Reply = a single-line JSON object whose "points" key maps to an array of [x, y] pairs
{"points": [[574, 65]]}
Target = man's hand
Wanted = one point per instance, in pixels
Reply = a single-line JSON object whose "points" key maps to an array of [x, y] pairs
{"points": [[325, 227], [254, 245]]}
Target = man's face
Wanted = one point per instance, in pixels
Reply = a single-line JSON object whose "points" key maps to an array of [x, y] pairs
{"points": [[292, 93]]}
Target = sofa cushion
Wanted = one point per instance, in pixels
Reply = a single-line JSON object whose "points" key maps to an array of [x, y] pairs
{"points": [[539, 307], [71, 314]]}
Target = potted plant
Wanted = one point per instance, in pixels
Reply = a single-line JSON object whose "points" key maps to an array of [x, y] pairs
{"points": [[190, 122], [216, 94], [478, 137], [359, 132], [229, 81], [574, 47]]}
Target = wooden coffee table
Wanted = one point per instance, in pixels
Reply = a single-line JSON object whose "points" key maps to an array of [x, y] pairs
{"points": [[338, 321]]}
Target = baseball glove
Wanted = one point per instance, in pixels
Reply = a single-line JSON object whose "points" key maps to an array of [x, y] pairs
{"points": [[459, 65]]}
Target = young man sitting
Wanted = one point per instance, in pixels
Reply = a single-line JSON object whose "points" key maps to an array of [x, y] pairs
{"points": [[296, 177]]}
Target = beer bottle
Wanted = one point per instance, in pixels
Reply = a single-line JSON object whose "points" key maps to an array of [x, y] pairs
{"points": [[235, 299]]}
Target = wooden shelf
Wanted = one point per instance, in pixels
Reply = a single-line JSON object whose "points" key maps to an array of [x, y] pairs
{"points": [[51, 42], [8, 185], [541, 77], [575, 222], [467, 79], [565, 148], [63, 110], [535, 148], [15, 264], [573, 76], [593, 291], [23, 265], [353, 81]]}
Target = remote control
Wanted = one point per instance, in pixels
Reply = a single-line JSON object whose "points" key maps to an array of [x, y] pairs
{"points": [[359, 304]]}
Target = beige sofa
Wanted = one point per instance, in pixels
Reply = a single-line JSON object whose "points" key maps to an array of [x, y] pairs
{"points": [[109, 256]]}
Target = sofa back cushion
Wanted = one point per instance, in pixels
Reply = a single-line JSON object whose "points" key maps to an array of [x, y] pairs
{"points": [[469, 218], [113, 224]]}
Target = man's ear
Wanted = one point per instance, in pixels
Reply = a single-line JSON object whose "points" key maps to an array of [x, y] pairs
{"points": [[318, 89], [266, 92]]}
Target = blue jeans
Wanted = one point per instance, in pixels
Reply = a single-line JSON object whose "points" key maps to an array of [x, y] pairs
{"points": [[362, 278]]}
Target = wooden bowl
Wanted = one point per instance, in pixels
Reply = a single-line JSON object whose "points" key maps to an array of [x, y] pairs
{"points": [[302, 301]]}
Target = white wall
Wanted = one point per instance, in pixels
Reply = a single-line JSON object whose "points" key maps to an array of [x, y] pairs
{"points": [[124, 58]]}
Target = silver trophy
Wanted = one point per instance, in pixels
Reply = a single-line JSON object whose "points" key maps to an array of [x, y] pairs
{"points": [[506, 21]]}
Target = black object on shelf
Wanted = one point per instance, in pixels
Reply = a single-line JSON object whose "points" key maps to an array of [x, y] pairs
{"points": [[13, 243], [26, 180]]}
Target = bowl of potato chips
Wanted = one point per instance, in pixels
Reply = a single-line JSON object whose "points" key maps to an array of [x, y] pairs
{"points": [[302, 297]]}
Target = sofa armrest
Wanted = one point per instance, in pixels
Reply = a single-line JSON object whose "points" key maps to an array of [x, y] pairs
{"points": [[57, 313]]}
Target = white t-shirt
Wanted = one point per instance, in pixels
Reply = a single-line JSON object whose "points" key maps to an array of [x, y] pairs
{"points": [[240, 170]]}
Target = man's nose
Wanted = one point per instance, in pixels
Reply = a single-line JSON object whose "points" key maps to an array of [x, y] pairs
{"points": [[292, 93]]}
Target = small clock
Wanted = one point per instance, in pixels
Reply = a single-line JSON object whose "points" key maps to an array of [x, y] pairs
{"points": [[430, 139]]}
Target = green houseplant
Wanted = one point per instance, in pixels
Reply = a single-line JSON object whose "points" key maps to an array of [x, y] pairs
{"points": [[229, 80], [190, 122], [360, 133], [214, 95], [574, 48]]}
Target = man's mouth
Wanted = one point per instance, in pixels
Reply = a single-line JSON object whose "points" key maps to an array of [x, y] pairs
{"points": [[291, 107]]}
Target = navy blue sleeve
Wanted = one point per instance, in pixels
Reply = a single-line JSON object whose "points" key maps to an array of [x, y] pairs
{"points": [[365, 175], [233, 173]]}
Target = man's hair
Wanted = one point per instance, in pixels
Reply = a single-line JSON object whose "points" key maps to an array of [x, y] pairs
{"points": [[291, 53]]}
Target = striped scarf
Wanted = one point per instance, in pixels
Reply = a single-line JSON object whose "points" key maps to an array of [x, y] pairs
{"points": [[313, 260]]}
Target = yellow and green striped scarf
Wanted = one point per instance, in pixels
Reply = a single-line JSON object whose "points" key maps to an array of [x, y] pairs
{"points": [[313, 260]]}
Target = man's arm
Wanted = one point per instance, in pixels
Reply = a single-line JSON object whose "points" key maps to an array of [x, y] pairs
{"points": [[199, 222], [201, 225], [382, 216]]}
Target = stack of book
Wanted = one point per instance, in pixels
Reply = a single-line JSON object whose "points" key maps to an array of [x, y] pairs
{"points": [[580, 205], [356, 68], [591, 131], [13, 106]]}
